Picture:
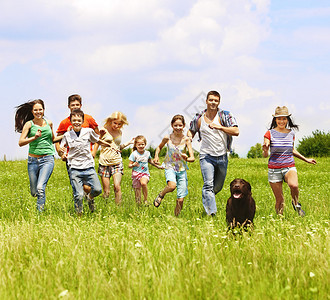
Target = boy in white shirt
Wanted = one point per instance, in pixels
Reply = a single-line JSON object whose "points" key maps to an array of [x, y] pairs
{"points": [[80, 160]]}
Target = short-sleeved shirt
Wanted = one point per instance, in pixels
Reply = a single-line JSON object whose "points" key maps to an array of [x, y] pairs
{"points": [[89, 122], [79, 155], [142, 159], [281, 147]]}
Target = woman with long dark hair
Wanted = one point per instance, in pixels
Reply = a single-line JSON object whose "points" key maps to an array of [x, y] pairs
{"points": [[281, 165], [37, 132]]}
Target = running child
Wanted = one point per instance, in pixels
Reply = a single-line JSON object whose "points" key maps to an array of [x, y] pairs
{"points": [[175, 163], [138, 162], [110, 161], [75, 102], [281, 166], [80, 160]]}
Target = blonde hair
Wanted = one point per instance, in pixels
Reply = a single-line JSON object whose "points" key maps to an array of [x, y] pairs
{"points": [[139, 138], [117, 115]]}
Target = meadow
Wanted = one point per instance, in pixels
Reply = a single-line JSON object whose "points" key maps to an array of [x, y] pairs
{"points": [[138, 252]]}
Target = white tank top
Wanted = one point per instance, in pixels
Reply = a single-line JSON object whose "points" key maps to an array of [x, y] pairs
{"points": [[214, 141]]}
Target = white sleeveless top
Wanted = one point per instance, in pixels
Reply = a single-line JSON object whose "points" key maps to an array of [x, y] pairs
{"points": [[214, 141]]}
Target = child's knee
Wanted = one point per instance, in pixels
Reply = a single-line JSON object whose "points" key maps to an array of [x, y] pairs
{"points": [[117, 188], [171, 185], [144, 184]]}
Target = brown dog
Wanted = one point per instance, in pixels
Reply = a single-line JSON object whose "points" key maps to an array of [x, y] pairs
{"points": [[241, 207]]}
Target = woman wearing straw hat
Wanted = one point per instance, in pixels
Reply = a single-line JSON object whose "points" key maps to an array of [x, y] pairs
{"points": [[281, 166]]}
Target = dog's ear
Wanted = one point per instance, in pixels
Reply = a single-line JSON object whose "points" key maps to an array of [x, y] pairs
{"points": [[248, 185]]}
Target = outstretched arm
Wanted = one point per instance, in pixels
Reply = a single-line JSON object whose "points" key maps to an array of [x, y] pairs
{"points": [[300, 156], [150, 161], [131, 142]]}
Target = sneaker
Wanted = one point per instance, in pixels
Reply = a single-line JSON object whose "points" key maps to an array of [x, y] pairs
{"points": [[90, 202], [298, 209]]}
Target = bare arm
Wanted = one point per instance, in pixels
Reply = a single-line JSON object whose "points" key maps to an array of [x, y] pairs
{"points": [[160, 147], [131, 142], [95, 148], [24, 140], [57, 138], [132, 164], [150, 161], [265, 147], [97, 131], [303, 158], [228, 130], [191, 157], [190, 134]]}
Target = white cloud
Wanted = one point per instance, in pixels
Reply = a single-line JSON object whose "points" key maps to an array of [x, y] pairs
{"points": [[151, 58], [324, 106]]}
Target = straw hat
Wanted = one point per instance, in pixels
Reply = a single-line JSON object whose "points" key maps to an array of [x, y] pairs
{"points": [[281, 112]]}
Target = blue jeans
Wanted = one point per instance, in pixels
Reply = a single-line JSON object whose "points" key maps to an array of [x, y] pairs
{"points": [[78, 178], [214, 170], [40, 169]]}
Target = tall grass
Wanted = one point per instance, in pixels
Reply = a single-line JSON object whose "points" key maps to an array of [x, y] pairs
{"points": [[132, 252]]}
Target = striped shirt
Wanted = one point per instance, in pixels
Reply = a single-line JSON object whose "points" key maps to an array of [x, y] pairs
{"points": [[281, 147]]}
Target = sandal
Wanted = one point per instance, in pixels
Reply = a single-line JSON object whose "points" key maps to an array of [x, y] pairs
{"points": [[157, 200]]}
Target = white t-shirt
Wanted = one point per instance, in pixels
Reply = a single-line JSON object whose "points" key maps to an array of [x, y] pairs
{"points": [[214, 141], [80, 156]]}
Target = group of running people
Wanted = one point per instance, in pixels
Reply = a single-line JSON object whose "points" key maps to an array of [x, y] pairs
{"points": [[79, 138]]}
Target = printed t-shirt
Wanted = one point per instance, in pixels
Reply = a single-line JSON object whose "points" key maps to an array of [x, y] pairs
{"points": [[142, 159]]}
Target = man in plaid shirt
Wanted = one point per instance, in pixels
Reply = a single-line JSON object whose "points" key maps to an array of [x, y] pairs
{"points": [[215, 129]]}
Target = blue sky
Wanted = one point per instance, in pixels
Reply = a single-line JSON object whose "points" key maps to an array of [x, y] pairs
{"points": [[152, 59]]}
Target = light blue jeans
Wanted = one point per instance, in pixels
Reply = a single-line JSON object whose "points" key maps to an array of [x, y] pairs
{"points": [[40, 169], [214, 170], [78, 178]]}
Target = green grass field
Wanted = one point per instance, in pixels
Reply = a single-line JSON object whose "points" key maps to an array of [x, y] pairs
{"points": [[131, 252]]}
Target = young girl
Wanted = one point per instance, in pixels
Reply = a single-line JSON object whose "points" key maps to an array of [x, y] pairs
{"points": [[281, 166], [139, 160], [38, 133], [175, 163], [110, 161]]}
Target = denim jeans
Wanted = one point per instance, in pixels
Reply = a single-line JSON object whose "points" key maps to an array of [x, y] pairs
{"points": [[40, 169], [214, 170], [78, 178]]}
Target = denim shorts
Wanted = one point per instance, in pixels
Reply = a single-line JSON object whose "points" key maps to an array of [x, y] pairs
{"points": [[277, 175], [181, 180], [108, 171]]}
